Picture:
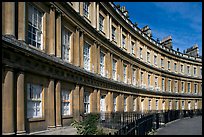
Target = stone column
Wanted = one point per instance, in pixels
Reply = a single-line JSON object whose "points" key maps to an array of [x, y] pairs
{"points": [[179, 86], [8, 18], [94, 15], [81, 47], [166, 84], [98, 60], [97, 15], [20, 104], [94, 101], [58, 104], [76, 103], [22, 21], [7, 103], [166, 104], [81, 8], [192, 87], [138, 103], [107, 27], [59, 35], [110, 101], [98, 100], [110, 65], [95, 57], [51, 104], [81, 100], [91, 58], [172, 86], [119, 36], [110, 28], [76, 48], [51, 48]]}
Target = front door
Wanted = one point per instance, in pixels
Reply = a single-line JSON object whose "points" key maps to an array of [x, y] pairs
{"points": [[102, 107]]}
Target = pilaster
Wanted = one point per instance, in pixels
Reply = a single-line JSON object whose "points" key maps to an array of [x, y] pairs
{"points": [[20, 104], [7, 103]]}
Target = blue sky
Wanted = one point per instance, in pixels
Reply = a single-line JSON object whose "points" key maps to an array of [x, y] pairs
{"points": [[181, 20]]}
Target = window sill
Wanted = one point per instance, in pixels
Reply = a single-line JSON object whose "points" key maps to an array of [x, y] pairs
{"points": [[103, 33], [114, 41], [67, 116], [87, 19], [124, 48], [33, 47], [36, 119]]}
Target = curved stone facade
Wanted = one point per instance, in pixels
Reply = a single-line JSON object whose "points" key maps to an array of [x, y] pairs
{"points": [[63, 60]]}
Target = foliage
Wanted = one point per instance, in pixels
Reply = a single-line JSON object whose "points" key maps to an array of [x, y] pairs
{"points": [[88, 126]]}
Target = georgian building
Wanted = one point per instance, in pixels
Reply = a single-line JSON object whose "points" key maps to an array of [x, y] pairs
{"points": [[61, 60]]}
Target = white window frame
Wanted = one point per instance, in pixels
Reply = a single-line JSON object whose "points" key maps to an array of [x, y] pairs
{"points": [[201, 72], [169, 65], [86, 56], [134, 76], [142, 105], [155, 59], [134, 104], [141, 53], [175, 67], [113, 33], [141, 77], [189, 106], [182, 87], [182, 105], [169, 85], [195, 88], [149, 80], [133, 45], [125, 73], [189, 87], [156, 81], [101, 22], [125, 104], [86, 102], [177, 106], [196, 104], [170, 105], [188, 69], [163, 84], [114, 65], [156, 103], [162, 62], [114, 104], [35, 22], [181, 68], [34, 100], [86, 9], [102, 63], [66, 44], [149, 104], [148, 57], [65, 96], [123, 41], [194, 71]]}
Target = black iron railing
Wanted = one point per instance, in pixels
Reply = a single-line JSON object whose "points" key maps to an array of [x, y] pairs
{"points": [[136, 123]]}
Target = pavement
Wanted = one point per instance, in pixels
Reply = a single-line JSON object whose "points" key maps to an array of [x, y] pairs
{"points": [[185, 126], [67, 130]]}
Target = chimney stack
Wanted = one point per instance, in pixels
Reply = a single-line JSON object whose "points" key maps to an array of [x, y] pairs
{"points": [[167, 42], [147, 30]]}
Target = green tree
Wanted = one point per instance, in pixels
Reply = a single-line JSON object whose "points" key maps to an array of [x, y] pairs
{"points": [[89, 126]]}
